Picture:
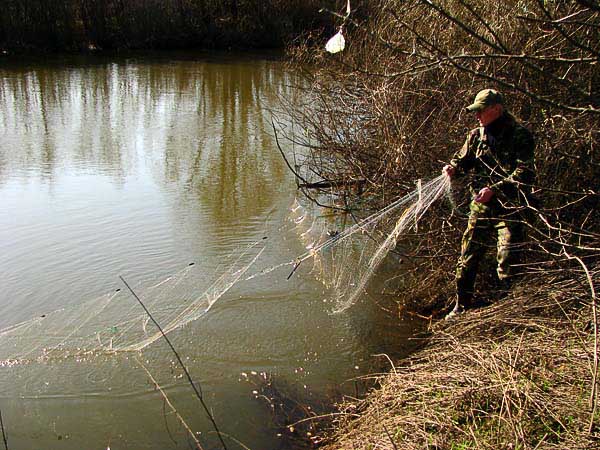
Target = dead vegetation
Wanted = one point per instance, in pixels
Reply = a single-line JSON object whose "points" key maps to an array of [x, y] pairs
{"points": [[75, 25], [517, 374], [521, 372], [390, 110]]}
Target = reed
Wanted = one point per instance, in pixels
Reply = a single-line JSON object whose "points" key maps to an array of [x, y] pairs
{"points": [[516, 374]]}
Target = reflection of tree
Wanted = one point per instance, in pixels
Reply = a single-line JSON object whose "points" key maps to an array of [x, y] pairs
{"points": [[242, 158], [57, 115], [217, 147], [202, 127]]}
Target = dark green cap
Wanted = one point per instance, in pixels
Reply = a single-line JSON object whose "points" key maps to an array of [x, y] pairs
{"points": [[485, 98]]}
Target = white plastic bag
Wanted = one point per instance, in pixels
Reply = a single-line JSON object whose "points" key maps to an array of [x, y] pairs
{"points": [[336, 44]]}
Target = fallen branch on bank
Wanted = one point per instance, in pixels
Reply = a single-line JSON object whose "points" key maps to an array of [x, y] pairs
{"points": [[333, 184]]}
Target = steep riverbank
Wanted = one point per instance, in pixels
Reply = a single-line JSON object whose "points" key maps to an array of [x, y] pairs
{"points": [[520, 373]]}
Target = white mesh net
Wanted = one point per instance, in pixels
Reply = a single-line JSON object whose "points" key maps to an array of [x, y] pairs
{"points": [[343, 259], [114, 322]]}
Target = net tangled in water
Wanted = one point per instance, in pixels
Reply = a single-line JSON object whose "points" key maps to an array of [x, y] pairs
{"points": [[113, 323], [344, 260]]}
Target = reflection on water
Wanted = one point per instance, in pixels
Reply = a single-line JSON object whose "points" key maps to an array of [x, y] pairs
{"points": [[136, 167], [118, 144], [203, 127]]}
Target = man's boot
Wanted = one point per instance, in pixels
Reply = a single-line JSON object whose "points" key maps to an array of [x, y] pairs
{"points": [[457, 310], [504, 287], [464, 300]]}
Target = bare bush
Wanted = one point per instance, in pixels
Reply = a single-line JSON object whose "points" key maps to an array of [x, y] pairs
{"points": [[390, 110]]}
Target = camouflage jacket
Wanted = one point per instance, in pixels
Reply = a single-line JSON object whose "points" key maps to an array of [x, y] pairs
{"points": [[499, 156]]}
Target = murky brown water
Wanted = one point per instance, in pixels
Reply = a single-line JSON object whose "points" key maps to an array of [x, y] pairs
{"points": [[135, 167]]}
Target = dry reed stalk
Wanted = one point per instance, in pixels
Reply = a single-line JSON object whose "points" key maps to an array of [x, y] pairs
{"points": [[513, 375], [170, 405]]}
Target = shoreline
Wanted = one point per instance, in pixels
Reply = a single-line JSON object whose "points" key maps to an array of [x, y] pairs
{"points": [[519, 373]]}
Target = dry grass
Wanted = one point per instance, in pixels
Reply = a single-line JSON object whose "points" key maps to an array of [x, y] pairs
{"points": [[389, 110], [517, 374]]}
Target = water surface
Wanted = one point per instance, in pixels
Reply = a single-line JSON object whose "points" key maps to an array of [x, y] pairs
{"points": [[136, 167]]}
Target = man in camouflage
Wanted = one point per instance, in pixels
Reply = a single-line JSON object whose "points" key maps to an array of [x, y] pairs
{"points": [[499, 157]]}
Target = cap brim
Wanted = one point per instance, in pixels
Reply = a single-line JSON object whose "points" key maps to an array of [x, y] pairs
{"points": [[475, 107]]}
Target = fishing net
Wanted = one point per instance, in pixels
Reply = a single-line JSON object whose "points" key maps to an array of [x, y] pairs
{"points": [[114, 322], [343, 257]]}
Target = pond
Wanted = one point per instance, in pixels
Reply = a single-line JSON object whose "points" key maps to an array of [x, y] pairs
{"points": [[135, 167]]}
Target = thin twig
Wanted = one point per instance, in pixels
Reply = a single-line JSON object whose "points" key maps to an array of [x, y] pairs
{"points": [[168, 402], [593, 394], [390, 437], [3, 432], [196, 387]]}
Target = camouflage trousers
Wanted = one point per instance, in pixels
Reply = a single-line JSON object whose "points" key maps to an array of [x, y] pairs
{"points": [[486, 222]]}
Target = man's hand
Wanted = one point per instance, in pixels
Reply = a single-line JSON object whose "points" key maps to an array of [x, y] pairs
{"points": [[448, 170], [484, 195]]}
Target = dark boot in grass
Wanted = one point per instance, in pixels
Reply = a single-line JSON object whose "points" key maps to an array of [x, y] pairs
{"points": [[462, 303]]}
